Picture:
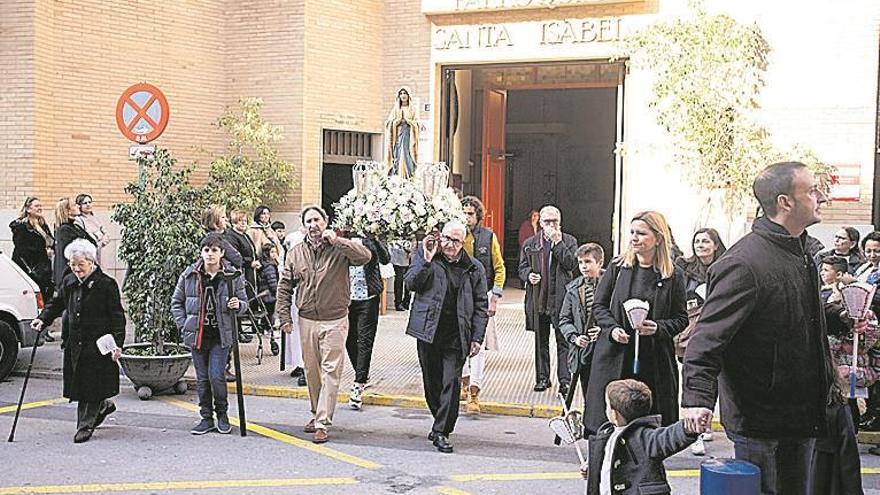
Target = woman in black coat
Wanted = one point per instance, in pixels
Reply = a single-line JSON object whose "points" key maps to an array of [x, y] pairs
{"points": [[644, 271], [92, 306], [33, 243], [66, 231]]}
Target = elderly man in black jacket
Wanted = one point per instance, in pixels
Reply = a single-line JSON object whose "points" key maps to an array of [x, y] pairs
{"points": [[448, 316], [548, 263], [761, 337]]}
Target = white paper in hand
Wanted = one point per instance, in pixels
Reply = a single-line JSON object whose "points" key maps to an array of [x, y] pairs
{"points": [[106, 344], [636, 311]]}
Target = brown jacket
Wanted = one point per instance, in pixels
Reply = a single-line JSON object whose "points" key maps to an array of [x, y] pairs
{"points": [[321, 279]]}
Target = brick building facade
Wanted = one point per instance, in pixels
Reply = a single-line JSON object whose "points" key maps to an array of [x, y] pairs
{"points": [[324, 65]]}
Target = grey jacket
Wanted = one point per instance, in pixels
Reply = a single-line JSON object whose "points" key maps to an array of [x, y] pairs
{"points": [[637, 458], [428, 281], [188, 308]]}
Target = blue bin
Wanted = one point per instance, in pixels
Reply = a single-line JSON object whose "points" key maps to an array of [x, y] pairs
{"points": [[729, 477]]}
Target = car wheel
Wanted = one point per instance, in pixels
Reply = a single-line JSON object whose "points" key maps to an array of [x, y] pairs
{"points": [[8, 349]]}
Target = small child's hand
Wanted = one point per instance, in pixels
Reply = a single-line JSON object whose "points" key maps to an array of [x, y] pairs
{"points": [[585, 469]]}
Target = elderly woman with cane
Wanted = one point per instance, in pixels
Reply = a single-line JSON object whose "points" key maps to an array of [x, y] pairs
{"points": [[93, 312]]}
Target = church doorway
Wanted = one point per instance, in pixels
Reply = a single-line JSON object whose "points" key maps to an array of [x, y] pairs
{"points": [[523, 136]]}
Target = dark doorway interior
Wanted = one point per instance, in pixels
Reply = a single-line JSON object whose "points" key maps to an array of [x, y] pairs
{"points": [[560, 145], [336, 180]]}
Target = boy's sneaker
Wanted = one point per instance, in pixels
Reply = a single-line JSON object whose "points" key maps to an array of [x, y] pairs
{"points": [[706, 437], [204, 426], [355, 399], [698, 448], [223, 425]]}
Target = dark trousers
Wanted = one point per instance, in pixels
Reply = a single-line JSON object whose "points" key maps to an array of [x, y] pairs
{"points": [[210, 365], [87, 413], [542, 352], [363, 319], [784, 462], [401, 293], [441, 377]]}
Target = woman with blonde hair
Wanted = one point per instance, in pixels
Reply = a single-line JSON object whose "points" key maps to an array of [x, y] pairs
{"points": [[66, 231], [644, 271]]}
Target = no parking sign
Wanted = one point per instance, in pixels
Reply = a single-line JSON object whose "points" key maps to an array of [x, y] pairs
{"points": [[142, 113]]}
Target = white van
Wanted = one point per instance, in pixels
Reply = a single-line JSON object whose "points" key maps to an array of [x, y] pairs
{"points": [[20, 302]]}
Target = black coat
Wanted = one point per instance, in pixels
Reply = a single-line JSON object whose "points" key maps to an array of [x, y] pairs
{"points": [[30, 254], [371, 270], [637, 459], [427, 280], [612, 361], [573, 320], [761, 339], [563, 266], [64, 235], [93, 309], [244, 247], [836, 463]]}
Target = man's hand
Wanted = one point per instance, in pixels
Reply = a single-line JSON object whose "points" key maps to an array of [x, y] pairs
{"points": [[647, 327], [534, 278], [117, 353], [493, 303], [555, 235], [233, 303], [429, 247], [287, 327], [620, 336], [697, 419], [329, 236], [37, 325], [581, 341], [475, 348], [255, 264]]}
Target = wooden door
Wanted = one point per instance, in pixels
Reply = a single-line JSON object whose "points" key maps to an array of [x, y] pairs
{"points": [[494, 117]]}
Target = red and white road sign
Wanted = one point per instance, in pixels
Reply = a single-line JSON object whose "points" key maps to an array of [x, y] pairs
{"points": [[142, 113]]}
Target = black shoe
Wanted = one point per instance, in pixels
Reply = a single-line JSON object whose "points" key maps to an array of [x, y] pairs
{"points": [[230, 377], [109, 408], [542, 385], [431, 435], [398, 307], [223, 425], [245, 338], [563, 389], [870, 423], [48, 337], [297, 372], [204, 426], [82, 435], [442, 443], [301, 381]]}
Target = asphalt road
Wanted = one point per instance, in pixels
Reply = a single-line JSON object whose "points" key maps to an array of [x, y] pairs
{"points": [[146, 447]]}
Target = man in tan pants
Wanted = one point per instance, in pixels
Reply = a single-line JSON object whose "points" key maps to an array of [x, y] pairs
{"points": [[318, 268]]}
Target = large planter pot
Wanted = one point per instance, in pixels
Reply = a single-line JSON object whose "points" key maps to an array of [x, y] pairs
{"points": [[154, 374]]}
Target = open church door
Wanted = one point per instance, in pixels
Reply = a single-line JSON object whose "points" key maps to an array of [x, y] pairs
{"points": [[494, 156]]}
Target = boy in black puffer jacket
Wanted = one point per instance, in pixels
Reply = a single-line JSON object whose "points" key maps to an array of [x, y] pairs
{"points": [[627, 454]]}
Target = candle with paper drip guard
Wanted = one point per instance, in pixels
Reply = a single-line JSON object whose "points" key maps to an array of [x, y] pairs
{"points": [[856, 298], [636, 313]]}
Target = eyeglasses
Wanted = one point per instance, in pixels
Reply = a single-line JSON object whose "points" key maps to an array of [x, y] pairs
{"points": [[451, 240]]}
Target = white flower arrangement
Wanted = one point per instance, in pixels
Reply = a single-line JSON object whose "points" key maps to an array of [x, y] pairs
{"points": [[395, 208]]}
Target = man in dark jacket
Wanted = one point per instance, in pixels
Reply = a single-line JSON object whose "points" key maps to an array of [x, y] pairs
{"points": [[761, 337], [548, 263], [93, 309], [448, 317]]}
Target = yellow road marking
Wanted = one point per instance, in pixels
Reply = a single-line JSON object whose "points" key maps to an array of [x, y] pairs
{"points": [[32, 405], [448, 490], [574, 475], [175, 485], [288, 439]]}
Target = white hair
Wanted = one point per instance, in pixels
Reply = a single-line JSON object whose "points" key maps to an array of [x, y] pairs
{"points": [[81, 248], [454, 225], [551, 209]]}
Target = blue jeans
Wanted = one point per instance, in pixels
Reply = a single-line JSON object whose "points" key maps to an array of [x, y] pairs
{"points": [[210, 365], [784, 462]]}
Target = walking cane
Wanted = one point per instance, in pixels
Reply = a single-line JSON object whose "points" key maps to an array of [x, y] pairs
{"points": [[569, 398], [27, 376], [236, 360], [283, 349]]}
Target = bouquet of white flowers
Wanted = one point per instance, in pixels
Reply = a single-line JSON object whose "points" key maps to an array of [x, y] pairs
{"points": [[395, 208]]}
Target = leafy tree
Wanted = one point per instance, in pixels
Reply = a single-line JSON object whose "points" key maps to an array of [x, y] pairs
{"points": [[160, 238], [708, 73], [251, 172]]}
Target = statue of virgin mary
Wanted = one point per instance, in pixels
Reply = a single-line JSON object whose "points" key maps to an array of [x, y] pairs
{"points": [[402, 129]]}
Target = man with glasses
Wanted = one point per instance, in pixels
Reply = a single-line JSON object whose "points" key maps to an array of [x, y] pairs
{"points": [[448, 318], [548, 263]]}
